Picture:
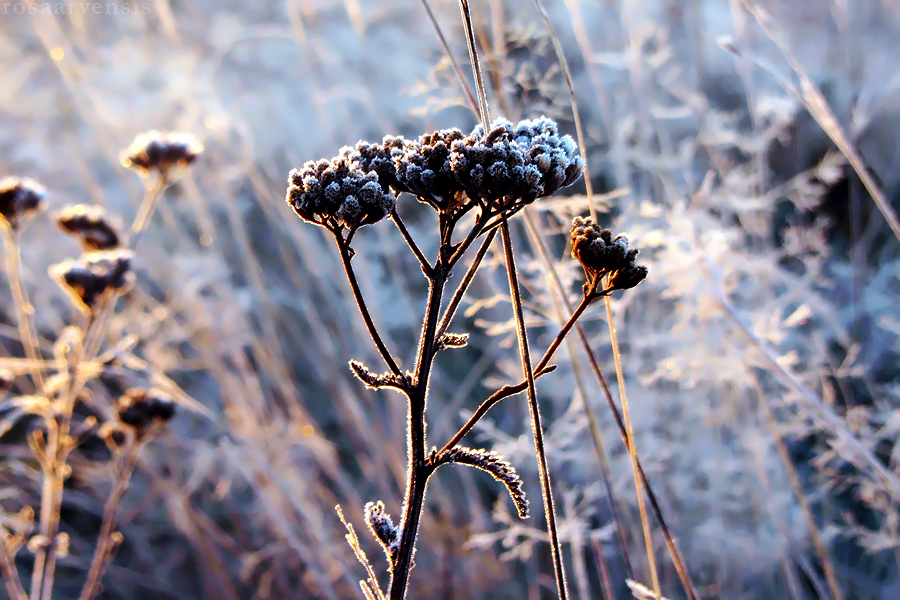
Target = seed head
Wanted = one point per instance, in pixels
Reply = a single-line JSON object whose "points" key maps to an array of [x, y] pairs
{"points": [[20, 199], [424, 170], [600, 254], [338, 193], [140, 407], [94, 228], [167, 154], [511, 166], [94, 277], [379, 157]]}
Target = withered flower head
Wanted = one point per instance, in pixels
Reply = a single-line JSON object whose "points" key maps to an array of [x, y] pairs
{"points": [[379, 157], [600, 254], [140, 407], [424, 170], [511, 166], [92, 225], [167, 154], [338, 193], [94, 277], [20, 198]]}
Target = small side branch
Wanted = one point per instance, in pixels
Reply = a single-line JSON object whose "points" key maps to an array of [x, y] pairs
{"points": [[542, 368], [426, 266], [346, 255]]}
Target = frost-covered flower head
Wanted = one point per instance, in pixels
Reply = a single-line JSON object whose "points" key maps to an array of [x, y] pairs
{"points": [[94, 228], [94, 277], [513, 165], [20, 198], [380, 158], [167, 154], [423, 169], [600, 254], [338, 193]]}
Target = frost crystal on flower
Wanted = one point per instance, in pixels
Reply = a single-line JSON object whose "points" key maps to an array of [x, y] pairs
{"points": [[92, 225], [164, 153], [338, 193], [600, 254], [20, 198]]}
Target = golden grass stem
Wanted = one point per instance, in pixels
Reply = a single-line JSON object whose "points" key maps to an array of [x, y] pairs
{"points": [[632, 450], [456, 68], [476, 67], [576, 115]]}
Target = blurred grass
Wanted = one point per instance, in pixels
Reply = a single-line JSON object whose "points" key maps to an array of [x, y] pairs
{"points": [[241, 305]]}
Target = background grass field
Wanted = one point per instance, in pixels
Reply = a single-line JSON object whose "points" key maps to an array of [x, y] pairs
{"points": [[772, 299]]}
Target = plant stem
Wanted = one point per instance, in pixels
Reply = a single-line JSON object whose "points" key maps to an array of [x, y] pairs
{"points": [[50, 468], [9, 572], [152, 192], [104, 540], [546, 489], [344, 249], [418, 471], [632, 452], [24, 310], [677, 559]]}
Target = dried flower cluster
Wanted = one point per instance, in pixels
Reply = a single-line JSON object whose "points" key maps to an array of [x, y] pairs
{"points": [[94, 228], [20, 198], [141, 407], [501, 170], [600, 254], [95, 277], [338, 193], [165, 154], [512, 165]]}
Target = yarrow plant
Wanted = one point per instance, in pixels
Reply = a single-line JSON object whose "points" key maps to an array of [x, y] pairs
{"points": [[86, 388], [490, 174]]}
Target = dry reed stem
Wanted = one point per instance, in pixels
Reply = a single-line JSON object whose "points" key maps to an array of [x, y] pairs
{"points": [[576, 115], [821, 112], [827, 565], [534, 409], [632, 450]]}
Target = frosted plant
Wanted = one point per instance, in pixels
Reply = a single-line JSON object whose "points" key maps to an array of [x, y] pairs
{"points": [[491, 175]]}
